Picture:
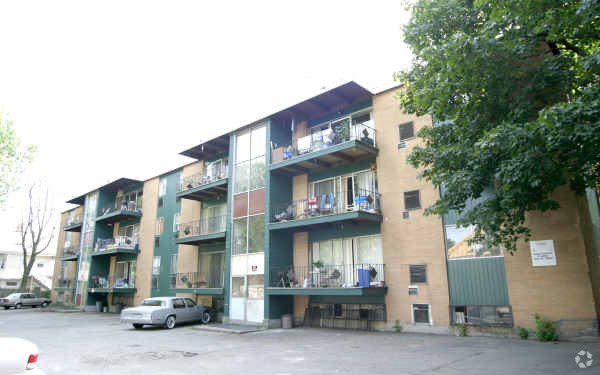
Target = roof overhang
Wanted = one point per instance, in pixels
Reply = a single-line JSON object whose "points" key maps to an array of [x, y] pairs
{"points": [[113, 186], [209, 149]]}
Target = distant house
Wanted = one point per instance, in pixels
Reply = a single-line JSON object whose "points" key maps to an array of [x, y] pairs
{"points": [[11, 270]]}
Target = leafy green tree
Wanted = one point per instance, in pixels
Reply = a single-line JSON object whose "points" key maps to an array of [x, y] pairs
{"points": [[512, 86], [13, 158]]}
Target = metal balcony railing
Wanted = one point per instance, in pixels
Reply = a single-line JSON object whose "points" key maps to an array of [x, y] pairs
{"points": [[122, 204], [328, 276], [333, 203], [119, 242], [195, 280], [204, 178], [65, 283], [70, 251], [337, 134], [110, 282], [75, 220], [202, 227]]}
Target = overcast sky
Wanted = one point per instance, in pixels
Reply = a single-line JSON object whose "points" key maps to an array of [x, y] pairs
{"points": [[111, 89]]}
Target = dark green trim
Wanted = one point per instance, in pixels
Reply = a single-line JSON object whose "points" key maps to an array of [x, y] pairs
{"points": [[380, 299], [228, 224], [205, 238], [326, 291], [115, 251], [347, 216], [119, 215], [201, 291], [329, 150], [72, 258], [73, 227], [112, 290], [189, 192]]}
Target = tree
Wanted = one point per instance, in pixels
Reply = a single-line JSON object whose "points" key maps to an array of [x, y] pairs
{"points": [[512, 86], [13, 158], [36, 229]]}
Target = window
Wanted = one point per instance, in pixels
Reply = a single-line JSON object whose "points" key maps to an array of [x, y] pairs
{"points": [[421, 314], [482, 315], [250, 167], [256, 287], [125, 274], [162, 191], [173, 271], [156, 241], [238, 287], [11, 283], [131, 231], [176, 222], [407, 131], [418, 273], [178, 303], [160, 222], [412, 200], [68, 239], [458, 244], [190, 303], [210, 270], [40, 265], [155, 271]]}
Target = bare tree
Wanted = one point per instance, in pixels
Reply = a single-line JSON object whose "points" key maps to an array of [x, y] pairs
{"points": [[36, 228]]}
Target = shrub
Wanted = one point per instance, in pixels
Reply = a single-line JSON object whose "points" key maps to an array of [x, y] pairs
{"points": [[398, 326], [463, 330], [545, 329], [523, 333]]}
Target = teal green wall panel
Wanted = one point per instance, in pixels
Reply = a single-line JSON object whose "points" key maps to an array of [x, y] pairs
{"points": [[477, 281], [227, 273], [341, 170], [167, 246], [342, 112], [345, 230], [213, 202]]}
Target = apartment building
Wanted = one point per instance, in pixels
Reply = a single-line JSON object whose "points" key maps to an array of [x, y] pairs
{"points": [[313, 211]]}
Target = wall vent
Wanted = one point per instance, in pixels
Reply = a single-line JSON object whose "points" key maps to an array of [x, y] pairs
{"points": [[405, 215]]}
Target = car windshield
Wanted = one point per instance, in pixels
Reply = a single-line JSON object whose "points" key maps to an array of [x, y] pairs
{"points": [[152, 302]]}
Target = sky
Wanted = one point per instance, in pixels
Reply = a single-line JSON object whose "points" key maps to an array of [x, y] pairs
{"points": [[116, 89]]}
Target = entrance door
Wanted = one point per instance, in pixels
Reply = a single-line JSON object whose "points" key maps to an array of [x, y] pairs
{"points": [[237, 310]]}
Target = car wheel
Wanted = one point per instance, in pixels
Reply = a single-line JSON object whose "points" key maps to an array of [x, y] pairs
{"points": [[205, 317], [170, 322], [137, 326], [45, 304], [6, 307], [18, 306]]}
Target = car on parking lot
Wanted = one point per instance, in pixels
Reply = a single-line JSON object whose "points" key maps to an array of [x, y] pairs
{"points": [[19, 300], [166, 312], [18, 357]]}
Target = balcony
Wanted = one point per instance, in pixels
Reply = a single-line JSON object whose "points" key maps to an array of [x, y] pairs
{"points": [[210, 283], [122, 210], [353, 206], [65, 284], [206, 185], [116, 245], [115, 285], [74, 224], [70, 254], [340, 144], [202, 231], [328, 280]]}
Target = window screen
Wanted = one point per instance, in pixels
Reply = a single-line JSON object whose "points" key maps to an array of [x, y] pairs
{"points": [[407, 131], [418, 273], [412, 200]]}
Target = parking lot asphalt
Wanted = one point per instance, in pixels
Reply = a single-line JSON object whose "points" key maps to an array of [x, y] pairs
{"points": [[90, 343]]}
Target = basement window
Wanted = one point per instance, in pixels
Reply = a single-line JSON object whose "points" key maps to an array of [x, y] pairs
{"points": [[412, 200], [421, 314], [418, 273], [482, 315]]}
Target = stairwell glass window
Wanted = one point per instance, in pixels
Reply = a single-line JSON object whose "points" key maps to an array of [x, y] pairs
{"points": [[459, 245], [250, 167]]}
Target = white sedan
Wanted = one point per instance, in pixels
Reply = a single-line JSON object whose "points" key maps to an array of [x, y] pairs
{"points": [[18, 357]]}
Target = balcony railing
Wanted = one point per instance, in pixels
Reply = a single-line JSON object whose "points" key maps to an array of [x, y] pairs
{"points": [[119, 242], [122, 204], [70, 251], [202, 227], [197, 280], [113, 282], [328, 204], [328, 276], [204, 178], [65, 283], [75, 220], [324, 139]]}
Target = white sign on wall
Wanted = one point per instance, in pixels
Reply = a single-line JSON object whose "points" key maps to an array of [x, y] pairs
{"points": [[542, 253]]}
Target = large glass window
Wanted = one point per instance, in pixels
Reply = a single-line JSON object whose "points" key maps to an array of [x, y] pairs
{"points": [[256, 233], [256, 287], [210, 270], [238, 287], [458, 244], [125, 274], [250, 169]]}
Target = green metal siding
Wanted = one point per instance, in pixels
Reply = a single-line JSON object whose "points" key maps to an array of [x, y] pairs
{"points": [[167, 238], [477, 281], [349, 230]]}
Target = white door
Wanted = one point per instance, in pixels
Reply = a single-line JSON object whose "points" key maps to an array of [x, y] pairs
{"points": [[237, 308]]}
